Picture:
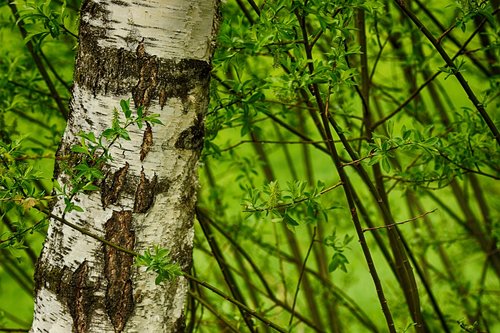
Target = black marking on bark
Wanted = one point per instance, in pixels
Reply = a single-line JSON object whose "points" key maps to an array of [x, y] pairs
{"points": [[118, 265], [145, 193], [120, 3], [120, 71], [72, 288], [141, 49], [54, 279], [147, 141], [192, 137], [111, 192], [80, 298], [178, 79]]}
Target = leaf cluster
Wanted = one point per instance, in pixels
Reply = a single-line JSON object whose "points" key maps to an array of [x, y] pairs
{"points": [[43, 20], [158, 260], [295, 203]]}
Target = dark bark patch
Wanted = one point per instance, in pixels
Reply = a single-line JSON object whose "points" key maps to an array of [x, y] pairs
{"points": [[145, 193], [192, 137], [145, 88], [110, 192], [147, 141], [177, 78], [120, 72], [80, 298], [53, 278], [120, 3], [118, 266], [72, 288], [97, 11]]}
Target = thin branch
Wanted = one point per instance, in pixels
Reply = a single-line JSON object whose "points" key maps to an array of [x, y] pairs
{"points": [[90, 234], [301, 142], [254, 6], [399, 223], [300, 277], [428, 81], [214, 311], [237, 303], [226, 273], [203, 214]]}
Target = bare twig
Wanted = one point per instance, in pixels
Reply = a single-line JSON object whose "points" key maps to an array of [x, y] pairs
{"points": [[300, 277], [399, 223]]}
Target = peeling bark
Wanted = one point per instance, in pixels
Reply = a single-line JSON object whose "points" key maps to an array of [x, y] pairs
{"points": [[111, 191], [159, 54], [147, 141], [80, 298], [145, 194], [118, 268]]}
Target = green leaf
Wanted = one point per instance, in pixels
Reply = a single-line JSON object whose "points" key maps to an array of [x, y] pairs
{"points": [[386, 165], [338, 261], [124, 135], [290, 220], [155, 121], [125, 105], [90, 187], [109, 133], [79, 149]]}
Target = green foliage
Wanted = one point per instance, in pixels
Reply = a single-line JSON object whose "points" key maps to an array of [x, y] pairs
{"points": [[18, 190], [17, 177], [338, 260], [286, 74], [283, 65], [159, 261], [295, 203], [470, 9], [468, 328], [43, 20]]}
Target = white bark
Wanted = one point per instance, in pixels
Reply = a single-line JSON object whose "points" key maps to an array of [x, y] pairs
{"points": [[159, 53]]}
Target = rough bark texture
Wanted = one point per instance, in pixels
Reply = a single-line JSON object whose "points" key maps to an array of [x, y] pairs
{"points": [[157, 53]]}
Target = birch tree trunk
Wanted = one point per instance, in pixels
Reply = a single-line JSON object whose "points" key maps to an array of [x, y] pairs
{"points": [[158, 53]]}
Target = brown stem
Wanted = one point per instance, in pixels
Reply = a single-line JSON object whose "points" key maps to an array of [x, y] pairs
{"points": [[237, 303], [269, 292], [403, 268], [344, 179]]}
